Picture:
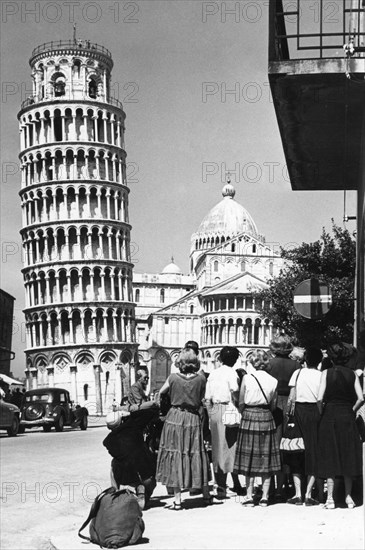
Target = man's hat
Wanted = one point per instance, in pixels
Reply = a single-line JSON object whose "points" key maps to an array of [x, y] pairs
{"points": [[114, 418]]}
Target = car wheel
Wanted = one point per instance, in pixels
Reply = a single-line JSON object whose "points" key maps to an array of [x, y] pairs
{"points": [[34, 411], [59, 424], [83, 425], [47, 428], [21, 429], [14, 429]]}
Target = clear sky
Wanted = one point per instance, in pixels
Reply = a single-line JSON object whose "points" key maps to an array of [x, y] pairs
{"points": [[175, 64]]}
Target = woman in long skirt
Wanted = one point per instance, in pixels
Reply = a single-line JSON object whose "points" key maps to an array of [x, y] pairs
{"points": [[222, 388], [339, 444], [182, 460], [303, 398]]}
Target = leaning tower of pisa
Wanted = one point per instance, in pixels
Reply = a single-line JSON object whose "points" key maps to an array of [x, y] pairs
{"points": [[77, 270]]}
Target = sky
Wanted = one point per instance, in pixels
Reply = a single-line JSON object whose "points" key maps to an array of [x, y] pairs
{"points": [[193, 80]]}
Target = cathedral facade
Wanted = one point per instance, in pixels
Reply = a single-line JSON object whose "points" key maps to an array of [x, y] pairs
{"points": [[76, 233], [229, 262]]}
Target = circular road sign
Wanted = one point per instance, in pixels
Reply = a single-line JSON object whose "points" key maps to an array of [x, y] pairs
{"points": [[312, 299]]}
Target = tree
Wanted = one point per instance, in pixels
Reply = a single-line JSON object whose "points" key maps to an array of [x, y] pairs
{"points": [[331, 259]]}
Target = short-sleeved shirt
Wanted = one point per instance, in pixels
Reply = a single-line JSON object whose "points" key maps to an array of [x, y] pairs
{"points": [[307, 386], [136, 394], [186, 391], [221, 383], [253, 395]]}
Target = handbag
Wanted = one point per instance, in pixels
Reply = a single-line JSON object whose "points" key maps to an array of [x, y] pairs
{"points": [[278, 416], [277, 413], [360, 422], [231, 417], [292, 440]]}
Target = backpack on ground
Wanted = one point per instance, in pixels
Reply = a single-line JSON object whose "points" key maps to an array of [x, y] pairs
{"points": [[116, 519]]}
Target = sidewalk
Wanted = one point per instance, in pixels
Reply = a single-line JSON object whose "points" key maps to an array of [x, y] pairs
{"points": [[230, 526], [96, 421]]}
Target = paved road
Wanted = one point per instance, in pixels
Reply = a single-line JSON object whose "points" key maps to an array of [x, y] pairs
{"points": [[49, 480]]}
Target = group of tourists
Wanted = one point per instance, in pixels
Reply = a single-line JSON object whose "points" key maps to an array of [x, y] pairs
{"points": [[322, 393]]}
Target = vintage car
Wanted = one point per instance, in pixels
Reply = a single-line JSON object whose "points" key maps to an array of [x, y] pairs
{"points": [[9, 417], [51, 407]]}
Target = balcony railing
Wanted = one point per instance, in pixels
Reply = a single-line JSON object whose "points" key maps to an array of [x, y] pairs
{"points": [[32, 100], [115, 101], [301, 29], [75, 44]]}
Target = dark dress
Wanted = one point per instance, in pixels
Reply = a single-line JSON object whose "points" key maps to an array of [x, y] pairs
{"points": [[182, 460], [339, 445]]}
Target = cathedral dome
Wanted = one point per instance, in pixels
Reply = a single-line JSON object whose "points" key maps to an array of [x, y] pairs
{"points": [[226, 219], [171, 269]]}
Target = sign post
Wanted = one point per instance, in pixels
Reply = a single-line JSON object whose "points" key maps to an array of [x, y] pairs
{"points": [[312, 299]]}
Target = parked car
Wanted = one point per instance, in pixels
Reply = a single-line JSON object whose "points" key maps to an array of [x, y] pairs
{"points": [[51, 407], [9, 417]]}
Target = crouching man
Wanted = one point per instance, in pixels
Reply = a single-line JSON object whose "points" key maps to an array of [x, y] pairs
{"points": [[133, 464]]}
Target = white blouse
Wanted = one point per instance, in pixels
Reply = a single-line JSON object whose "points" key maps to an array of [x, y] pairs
{"points": [[220, 384], [307, 388], [252, 393]]}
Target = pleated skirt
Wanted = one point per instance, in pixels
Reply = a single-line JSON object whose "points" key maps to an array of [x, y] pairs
{"points": [[182, 460], [257, 451], [339, 444]]}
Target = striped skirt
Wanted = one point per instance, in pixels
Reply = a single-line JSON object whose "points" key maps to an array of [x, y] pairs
{"points": [[182, 460], [257, 451]]}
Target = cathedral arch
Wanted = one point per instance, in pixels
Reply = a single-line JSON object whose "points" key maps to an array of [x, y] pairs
{"points": [[107, 359], [125, 357], [162, 296], [160, 370], [257, 331], [84, 359], [248, 331], [41, 362], [61, 360]]}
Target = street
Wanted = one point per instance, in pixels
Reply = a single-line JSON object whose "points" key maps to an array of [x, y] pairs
{"points": [[49, 481]]}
